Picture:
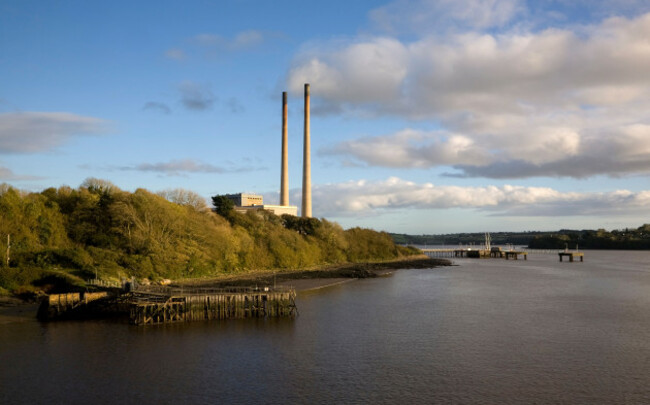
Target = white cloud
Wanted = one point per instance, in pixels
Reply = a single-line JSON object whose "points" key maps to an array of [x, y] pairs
{"points": [[411, 148], [7, 174], [212, 45], [555, 102], [366, 197], [156, 106], [242, 40], [33, 132], [552, 152], [195, 96], [176, 167], [425, 16], [184, 166], [175, 54], [377, 68]]}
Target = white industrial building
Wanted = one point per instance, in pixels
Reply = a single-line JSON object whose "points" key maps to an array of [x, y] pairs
{"points": [[246, 202]]}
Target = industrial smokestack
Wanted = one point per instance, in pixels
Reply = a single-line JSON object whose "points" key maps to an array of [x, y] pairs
{"points": [[284, 178], [306, 163]]}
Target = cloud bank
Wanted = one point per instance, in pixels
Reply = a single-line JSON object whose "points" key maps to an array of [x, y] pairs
{"points": [[374, 197], [512, 103], [556, 153], [183, 167], [33, 132]]}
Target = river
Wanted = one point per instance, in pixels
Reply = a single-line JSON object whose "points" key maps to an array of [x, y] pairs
{"points": [[487, 331]]}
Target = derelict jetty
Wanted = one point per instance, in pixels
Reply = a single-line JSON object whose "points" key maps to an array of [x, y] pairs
{"points": [[149, 305]]}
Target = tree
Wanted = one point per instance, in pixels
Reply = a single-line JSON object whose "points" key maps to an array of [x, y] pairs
{"points": [[304, 226], [223, 205], [181, 196], [99, 186]]}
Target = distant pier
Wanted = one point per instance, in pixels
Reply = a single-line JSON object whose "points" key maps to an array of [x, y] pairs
{"points": [[496, 252], [572, 255], [477, 253]]}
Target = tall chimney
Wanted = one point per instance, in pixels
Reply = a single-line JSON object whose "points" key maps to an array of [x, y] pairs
{"points": [[306, 163], [284, 178]]}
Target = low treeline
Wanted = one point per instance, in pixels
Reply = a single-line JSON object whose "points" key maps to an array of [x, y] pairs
{"points": [[63, 236], [623, 239], [476, 238], [629, 238]]}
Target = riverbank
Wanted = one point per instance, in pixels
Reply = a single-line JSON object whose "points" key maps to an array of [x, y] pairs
{"points": [[13, 310], [318, 277]]}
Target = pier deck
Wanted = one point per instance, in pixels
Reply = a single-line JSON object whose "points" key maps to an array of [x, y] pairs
{"points": [[515, 254], [476, 253], [572, 255]]}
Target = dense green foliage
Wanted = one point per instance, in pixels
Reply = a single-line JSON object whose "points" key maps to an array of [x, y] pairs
{"points": [[65, 235], [222, 205], [632, 239]]}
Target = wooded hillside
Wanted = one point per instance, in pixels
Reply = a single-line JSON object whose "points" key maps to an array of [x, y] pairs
{"points": [[70, 235]]}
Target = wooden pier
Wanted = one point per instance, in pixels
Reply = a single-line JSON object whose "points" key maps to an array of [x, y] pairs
{"points": [[476, 253], [66, 305], [148, 305], [515, 255], [572, 255], [166, 305]]}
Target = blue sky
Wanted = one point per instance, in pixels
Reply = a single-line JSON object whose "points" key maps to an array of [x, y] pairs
{"points": [[428, 116]]}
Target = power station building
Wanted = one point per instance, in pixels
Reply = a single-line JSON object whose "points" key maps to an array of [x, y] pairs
{"points": [[246, 202]]}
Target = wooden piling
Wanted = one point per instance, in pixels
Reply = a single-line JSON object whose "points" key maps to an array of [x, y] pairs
{"points": [[208, 305]]}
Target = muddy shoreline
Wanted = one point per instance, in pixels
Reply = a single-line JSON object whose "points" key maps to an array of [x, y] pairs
{"points": [[318, 277]]}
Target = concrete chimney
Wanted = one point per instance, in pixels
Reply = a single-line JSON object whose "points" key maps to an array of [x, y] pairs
{"points": [[284, 178], [306, 163]]}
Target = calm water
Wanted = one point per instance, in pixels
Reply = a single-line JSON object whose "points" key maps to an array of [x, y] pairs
{"points": [[486, 331]]}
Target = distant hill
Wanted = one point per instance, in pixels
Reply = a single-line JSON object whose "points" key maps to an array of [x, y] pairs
{"points": [[633, 239]]}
